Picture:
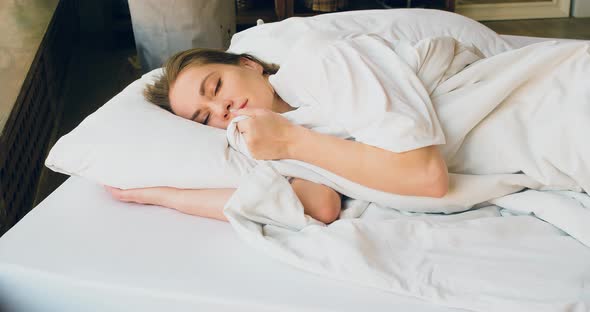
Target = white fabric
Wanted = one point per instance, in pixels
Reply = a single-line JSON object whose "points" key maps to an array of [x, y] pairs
{"points": [[517, 120], [274, 42], [346, 108], [475, 260], [81, 250], [378, 91]]}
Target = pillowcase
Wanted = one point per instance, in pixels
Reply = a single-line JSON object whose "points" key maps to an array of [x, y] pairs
{"points": [[130, 143], [273, 42]]}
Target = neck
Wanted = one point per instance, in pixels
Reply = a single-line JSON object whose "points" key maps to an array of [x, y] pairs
{"points": [[280, 106]]}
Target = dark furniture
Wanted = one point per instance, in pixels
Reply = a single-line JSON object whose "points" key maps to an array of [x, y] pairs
{"points": [[36, 50], [271, 11]]}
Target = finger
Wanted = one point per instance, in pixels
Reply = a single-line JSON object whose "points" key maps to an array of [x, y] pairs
{"points": [[128, 195], [111, 189], [243, 125], [117, 193]]}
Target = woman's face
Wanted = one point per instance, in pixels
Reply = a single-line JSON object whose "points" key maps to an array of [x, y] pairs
{"points": [[209, 94]]}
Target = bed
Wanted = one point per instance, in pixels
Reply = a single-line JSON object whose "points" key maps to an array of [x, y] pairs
{"points": [[81, 250]]}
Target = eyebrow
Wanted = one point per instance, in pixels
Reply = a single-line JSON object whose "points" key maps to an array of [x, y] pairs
{"points": [[202, 93]]}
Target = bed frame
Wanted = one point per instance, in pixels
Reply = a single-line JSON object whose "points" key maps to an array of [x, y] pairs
{"points": [[30, 123]]}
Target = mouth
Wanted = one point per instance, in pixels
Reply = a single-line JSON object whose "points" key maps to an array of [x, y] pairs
{"points": [[243, 104]]}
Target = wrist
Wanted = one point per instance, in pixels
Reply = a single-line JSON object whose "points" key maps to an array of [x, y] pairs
{"points": [[297, 136]]}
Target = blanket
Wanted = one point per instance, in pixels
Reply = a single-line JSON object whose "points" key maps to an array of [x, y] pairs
{"points": [[511, 233]]}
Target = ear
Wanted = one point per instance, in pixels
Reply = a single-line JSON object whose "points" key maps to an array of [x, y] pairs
{"points": [[250, 64]]}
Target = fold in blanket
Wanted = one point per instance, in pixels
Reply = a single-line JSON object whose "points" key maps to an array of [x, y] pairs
{"points": [[476, 260], [515, 121]]}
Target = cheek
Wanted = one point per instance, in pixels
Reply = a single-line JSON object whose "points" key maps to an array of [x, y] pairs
{"points": [[264, 93], [253, 86]]}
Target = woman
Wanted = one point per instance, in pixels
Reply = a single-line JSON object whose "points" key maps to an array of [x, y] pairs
{"points": [[212, 87]]}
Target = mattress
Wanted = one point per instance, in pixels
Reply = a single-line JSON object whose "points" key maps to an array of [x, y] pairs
{"points": [[81, 250]]}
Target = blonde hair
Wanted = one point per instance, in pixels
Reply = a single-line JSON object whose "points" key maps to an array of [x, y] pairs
{"points": [[158, 92]]}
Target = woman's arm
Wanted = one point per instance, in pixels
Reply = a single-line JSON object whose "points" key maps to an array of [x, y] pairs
{"points": [[319, 201], [419, 172], [206, 203]]}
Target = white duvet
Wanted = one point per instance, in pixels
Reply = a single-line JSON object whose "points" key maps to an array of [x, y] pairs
{"points": [[514, 230]]}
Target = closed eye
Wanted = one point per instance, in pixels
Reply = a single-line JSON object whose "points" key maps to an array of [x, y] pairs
{"points": [[217, 86]]}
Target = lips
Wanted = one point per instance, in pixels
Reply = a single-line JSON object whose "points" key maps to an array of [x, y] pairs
{"points": [[232, 110], [243, 104]]}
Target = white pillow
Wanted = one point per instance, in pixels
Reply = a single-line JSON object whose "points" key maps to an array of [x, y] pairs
{"points": [[130, 142], [272, 42]]}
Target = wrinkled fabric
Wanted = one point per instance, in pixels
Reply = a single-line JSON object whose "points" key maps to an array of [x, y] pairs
{"points": [[515, 127], [368, 87]]}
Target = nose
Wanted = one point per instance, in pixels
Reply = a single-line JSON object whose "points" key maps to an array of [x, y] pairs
{"points": [[223, 109]]}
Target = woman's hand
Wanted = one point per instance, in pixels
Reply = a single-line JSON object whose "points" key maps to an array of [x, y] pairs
{"points": [[267, 134], [206, 203], [148, 195]]}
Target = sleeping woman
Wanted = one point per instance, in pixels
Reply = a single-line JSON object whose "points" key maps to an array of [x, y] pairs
{"points": [[410, 114], [213, 87]]}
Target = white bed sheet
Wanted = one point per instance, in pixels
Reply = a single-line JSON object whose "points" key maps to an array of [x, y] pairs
{"points": [[80, 250]]}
